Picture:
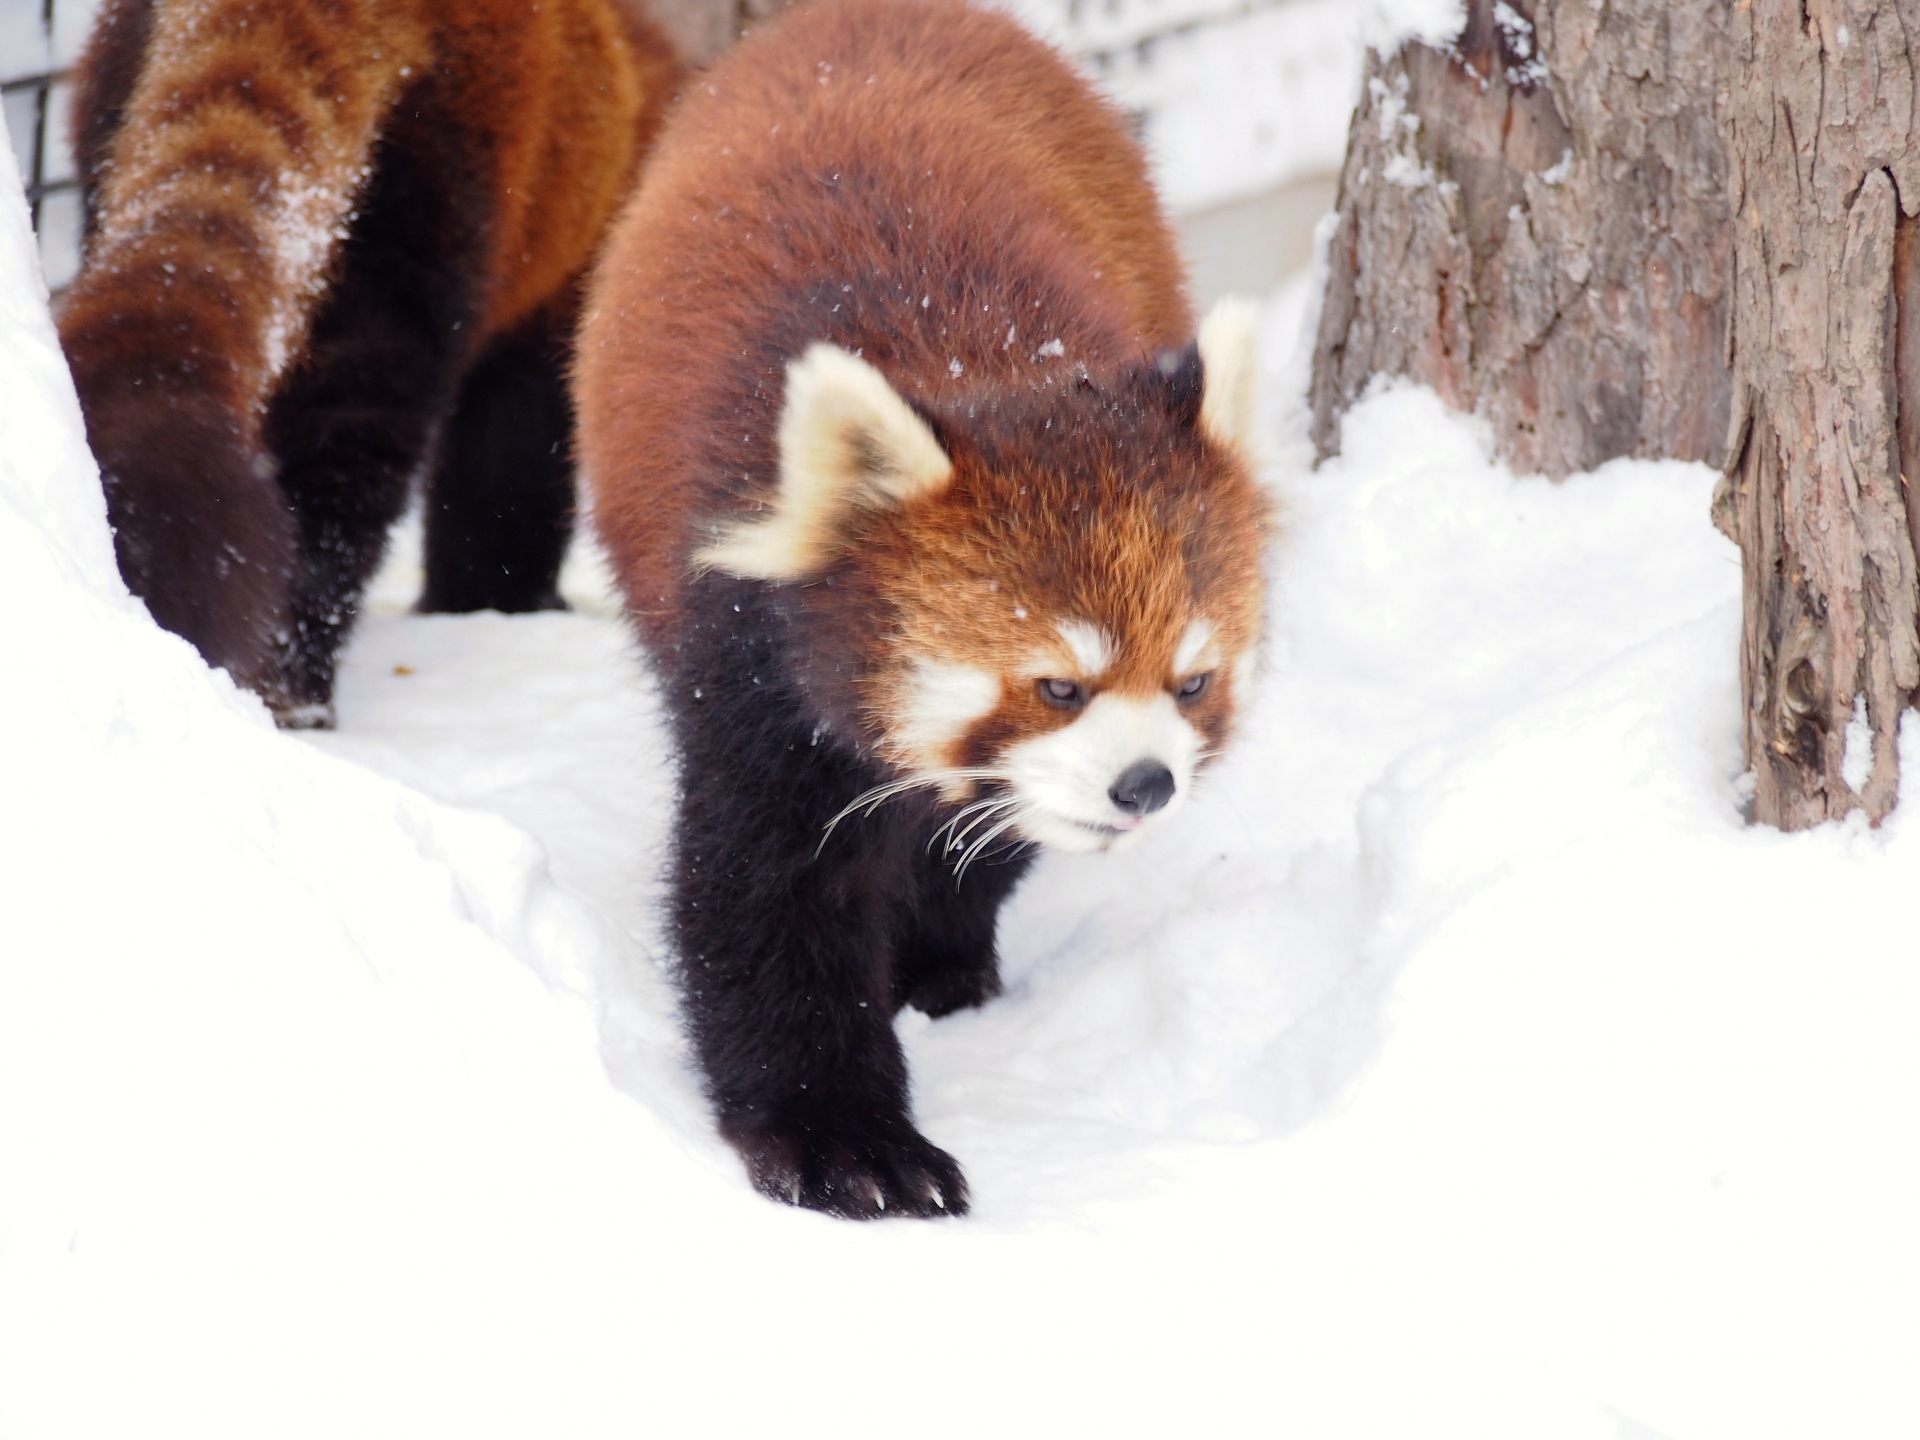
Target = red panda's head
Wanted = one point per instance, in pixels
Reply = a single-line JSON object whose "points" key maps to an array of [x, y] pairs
{"points": [[1052, 597]]}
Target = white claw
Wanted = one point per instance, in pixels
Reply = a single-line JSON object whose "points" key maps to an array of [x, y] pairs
{"points": [[938, 1198]]}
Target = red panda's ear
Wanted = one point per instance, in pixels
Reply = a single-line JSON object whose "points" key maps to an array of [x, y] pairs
{"points": [[1230, 359], [1177, 376], [847, 440]]}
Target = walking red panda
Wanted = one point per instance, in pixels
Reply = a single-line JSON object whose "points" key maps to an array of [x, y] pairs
{"points": [[326, 237], [942, 534]]}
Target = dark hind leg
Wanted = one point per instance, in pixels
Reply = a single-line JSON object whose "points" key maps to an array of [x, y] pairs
{"points": [[500, 501], [352, 423], [946, 958]]}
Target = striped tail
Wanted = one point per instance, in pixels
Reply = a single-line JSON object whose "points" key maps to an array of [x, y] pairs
{"points": [[222, 198], [228, 189]]}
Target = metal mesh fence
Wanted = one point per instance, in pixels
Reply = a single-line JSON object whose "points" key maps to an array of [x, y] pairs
{"points": [[39, 42]]}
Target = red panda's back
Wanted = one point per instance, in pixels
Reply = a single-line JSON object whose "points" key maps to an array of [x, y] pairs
{"points": [[917, 181]]}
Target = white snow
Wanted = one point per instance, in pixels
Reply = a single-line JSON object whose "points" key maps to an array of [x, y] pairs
{"points": [[1388, 23], [1237, 97], [1856, 761], [1239, 106], [1459, 1063], [1518, 31], [1399, 127]]}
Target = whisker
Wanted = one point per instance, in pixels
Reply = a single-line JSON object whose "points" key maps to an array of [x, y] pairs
{"points": [[978, 807], [979, 849], [987, 813], [987, 804], [870, 800], [980, 846]]}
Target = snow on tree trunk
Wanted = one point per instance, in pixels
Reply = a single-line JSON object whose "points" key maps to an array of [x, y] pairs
{"points": [[1534, 222], [1826, 181], [700, 29], [703, 28]]}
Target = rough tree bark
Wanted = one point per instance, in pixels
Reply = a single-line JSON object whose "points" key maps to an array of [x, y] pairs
{"points": [[1554, 223], [1534, 222], [1826, 183], [703, 28]]}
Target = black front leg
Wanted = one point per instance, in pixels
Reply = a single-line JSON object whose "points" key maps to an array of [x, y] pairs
{"points": [[786, 956], [947, 960]]}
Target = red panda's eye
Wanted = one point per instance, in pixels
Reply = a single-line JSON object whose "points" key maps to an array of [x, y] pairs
{"points": [[1063, 694], [1195, 686]]}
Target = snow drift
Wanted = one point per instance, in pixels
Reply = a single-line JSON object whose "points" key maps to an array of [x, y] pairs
{"points": [[1462, 1063]]}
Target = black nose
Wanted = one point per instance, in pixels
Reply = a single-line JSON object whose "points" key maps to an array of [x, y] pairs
{"points": [[1143, 787]]}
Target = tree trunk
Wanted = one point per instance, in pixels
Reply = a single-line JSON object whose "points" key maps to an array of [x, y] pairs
{"points": [[1534, 222], [1826, 317], [1551, 223], [701, 29]]}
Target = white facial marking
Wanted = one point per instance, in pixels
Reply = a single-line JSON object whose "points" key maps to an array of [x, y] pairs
{"points": [[847, 440], [942, 700], [1092, 647], [1197, 650], [1062, 778]]}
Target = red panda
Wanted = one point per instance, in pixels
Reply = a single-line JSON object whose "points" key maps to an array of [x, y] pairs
{"points": [[326, 238], [941, 529]]}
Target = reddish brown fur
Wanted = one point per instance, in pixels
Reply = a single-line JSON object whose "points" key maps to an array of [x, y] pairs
{"points": [[729, 261], [556, 102], [716, 275], [954, 598], [231, 148], [924, 185]]}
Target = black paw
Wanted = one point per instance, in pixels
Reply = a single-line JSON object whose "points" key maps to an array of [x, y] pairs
{"points": [[297, 701], [302, 714], [858, 1172], [941, 992]]}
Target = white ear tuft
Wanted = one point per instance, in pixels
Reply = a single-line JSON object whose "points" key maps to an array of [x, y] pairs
{"points": [[1230, 360], [846, 439]]}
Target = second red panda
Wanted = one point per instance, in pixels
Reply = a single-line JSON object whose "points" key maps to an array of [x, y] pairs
{"points": [[331, 242], [941, 529]]}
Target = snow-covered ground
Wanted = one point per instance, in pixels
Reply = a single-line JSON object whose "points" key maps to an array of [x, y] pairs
{"points": [[1460, 1063]]}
